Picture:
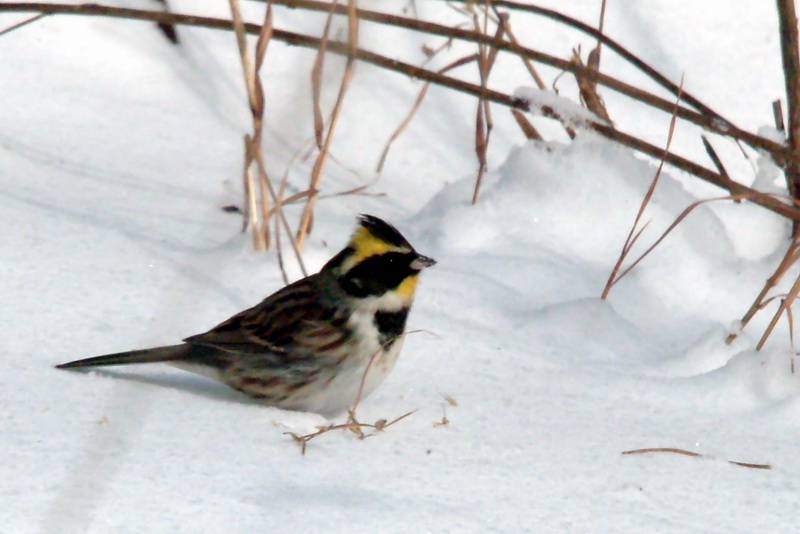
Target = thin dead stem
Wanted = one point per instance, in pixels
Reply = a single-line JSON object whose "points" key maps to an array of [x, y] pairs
{"points": [[525, 60], [600, 26], [352, 424], [319, 163], [263, 40], [251, 214], [587, 84], [789, 259], [777, 115], [244, 54], [714, 156], [24, 23], [259, 221], [790, 52], [785, 305], [483, 121], [675, 223], [633, 235], [525, 125], [671, 227], [372, 360], [316, 79], [694, 455], [417, 103], [260, 163]]}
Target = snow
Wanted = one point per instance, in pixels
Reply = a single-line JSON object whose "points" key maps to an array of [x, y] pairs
{"points": [[118, 151], [571, 112]]}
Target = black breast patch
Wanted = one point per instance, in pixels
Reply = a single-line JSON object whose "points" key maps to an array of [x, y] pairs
{"points": [[390, 325]]}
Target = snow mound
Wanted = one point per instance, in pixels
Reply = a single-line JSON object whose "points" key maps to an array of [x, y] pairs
{"points": [[577, 200], [752, 380]]}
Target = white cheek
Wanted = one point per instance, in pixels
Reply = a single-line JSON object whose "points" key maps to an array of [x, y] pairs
{"points": [[391, 301]]}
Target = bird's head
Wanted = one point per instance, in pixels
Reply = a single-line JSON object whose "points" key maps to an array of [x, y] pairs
{"points": [[378, 261]]}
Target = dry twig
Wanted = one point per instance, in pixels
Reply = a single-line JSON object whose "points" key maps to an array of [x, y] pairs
{"points": [[587, 85], [352, 424], [673, 225], [790, 52], [319, 163], [635, 232], [417, 103], [260, 240], [784, 307], [789, 259], [483, 120], [25, 22], [695, 455]]}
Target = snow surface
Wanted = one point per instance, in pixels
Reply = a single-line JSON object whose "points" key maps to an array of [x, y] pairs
{"points": [[118, 151]]}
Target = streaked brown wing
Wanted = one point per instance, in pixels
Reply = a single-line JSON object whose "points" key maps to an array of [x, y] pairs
{"points": [[280, 323]]}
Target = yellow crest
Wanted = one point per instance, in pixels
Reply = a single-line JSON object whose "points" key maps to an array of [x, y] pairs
{"points": [[365, 244]]}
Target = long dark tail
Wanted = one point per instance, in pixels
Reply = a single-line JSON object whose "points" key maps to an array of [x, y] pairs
{"points": [[158, 354]]}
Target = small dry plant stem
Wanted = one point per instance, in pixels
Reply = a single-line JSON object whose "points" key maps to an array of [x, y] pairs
{"points": [[23, 23], [525, 60], [282, 216], [600, 26], [587, 77], [256, 213], [785, 306], [417, 103], [483, 120], [319, 163], [587, 85], [714, 156], [316, 79], [789, 259], [372, 360], [351, 424], [684, 452], [673, 225], [790, 52], [525, 125], [258, 123], [635, 232], [250, 212], [777, 115]]}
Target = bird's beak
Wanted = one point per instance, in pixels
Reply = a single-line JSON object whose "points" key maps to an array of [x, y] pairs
{"points": [[421, 262]]}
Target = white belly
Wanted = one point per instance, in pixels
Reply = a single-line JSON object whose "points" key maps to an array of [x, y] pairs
{"points": [[353, 383]]}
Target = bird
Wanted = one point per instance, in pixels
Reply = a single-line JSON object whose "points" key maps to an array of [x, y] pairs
{"points": [[316, 345]]}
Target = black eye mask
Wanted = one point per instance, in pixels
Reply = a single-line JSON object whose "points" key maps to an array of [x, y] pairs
{"points": [[378, 274]]}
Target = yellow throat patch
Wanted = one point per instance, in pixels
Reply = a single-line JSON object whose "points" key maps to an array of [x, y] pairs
{"points": [[408, 286]]}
